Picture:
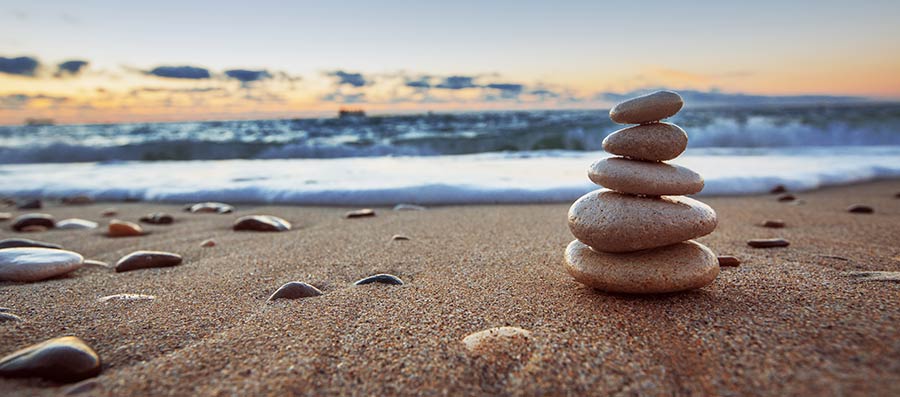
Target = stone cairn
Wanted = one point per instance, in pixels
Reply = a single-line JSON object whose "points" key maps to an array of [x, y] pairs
{"points": [[635, 236]]}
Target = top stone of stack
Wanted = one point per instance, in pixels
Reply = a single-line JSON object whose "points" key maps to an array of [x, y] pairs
{"points": [[647, 109]]}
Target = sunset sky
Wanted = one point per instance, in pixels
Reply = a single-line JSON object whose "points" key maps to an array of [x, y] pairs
{"points": [[110, 61]]}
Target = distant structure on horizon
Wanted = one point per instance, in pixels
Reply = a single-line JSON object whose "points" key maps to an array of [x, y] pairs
{"points": [[34, 122], [351, 113]]}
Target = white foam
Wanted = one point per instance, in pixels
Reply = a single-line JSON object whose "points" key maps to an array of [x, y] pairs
{"points": [[527, 177]]}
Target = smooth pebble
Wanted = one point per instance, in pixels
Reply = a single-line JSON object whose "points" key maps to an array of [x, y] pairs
{"points": [[147, 259], [261, 223], [295, 290], [35, 264], [644, 177], [64, 359]]}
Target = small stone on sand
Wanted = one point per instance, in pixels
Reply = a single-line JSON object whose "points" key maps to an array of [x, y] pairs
{"points": [[210, 207], [489, 339], [399, 237], [208, 243], [109, 212], [77, 200], [126, 298], [261, 223], [768, 243], [876, 276], [33, 219], [31, 205], [786, 198], [120, 228], [157, 218], [361, 213], [76, 224], [381, 279], [24, 242], [409, 207], [34, 229], [860, 209], [773, 223], [34, 264], [147, 259], [729, 261], [65, 359], [778, 189], [5, 216], [295, 290]]}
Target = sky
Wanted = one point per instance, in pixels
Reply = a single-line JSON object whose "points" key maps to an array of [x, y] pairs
{"points": [[120, 61]]}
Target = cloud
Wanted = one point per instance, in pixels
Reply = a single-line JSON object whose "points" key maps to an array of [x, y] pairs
{"points": [[20, 101], [196, 90], [353, 79], [22, 66], [423, 82], [344, 98], [507, 90], [248, 76], [70, 68], [180, 72], [457, 83]]}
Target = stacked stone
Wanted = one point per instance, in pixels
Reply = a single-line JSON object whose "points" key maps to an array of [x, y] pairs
{"points": [[635, 236]]}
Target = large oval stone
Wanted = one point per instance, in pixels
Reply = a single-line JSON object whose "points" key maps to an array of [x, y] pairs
{"points": [[647, 108], [616, 222], [645, 177], [653, 142], [33, 219], [678, 267], [34, 264], [147, 259], [65, 359]]}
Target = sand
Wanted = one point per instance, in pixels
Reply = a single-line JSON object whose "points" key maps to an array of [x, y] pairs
{"points": [[787, 321]]}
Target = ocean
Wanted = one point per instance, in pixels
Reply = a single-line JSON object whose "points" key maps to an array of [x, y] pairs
{"points": [[463, 158]]}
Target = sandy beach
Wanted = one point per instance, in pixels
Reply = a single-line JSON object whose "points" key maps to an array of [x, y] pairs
{"points": [[787, 321]]}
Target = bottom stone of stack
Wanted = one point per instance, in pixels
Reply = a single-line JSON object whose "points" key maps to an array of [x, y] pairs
{"points": [[678, 267]]}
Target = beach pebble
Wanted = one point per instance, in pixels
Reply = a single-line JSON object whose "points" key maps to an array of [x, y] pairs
{"points": [[5, 216], [615, 222], [875, 276], [95, 263], [261, 223], [65, 359], [76, 224], [34, 204], [34, 229], [768, 243], [77, 200], [786, 198], [157, 218], [499, 338], [361, 213], [774, 223], [147, 259], [673, 268], [34, 264], [208, 243], [33, 219], [24, 242], [399, 237], [109, 212], [647, 108], [653, 142], [295, 290], [381, 279], [644, 177], [126, 298], [409, 207], [860, 209], [778, 189], [729, 261], [9, 317], [210, 207], [120, 228]]}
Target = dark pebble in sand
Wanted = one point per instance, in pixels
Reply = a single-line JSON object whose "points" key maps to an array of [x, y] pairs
{"points": [[65, 359], [897, 195], [261, 223], [778, 189], [774, 223], [786, 197], [729, 261], [24, 242], [860, 209], [210, 207], [34, 229], [109, 212], [399, 237], [158, 218], [768, 243], [33, 219], [6, 316], [362, 213], [147, 259], [77, 200], [295, 290], [31, 205], [380, 278]]}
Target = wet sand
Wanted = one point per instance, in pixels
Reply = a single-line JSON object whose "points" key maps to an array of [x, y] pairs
{"points": [[787, 321]]}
